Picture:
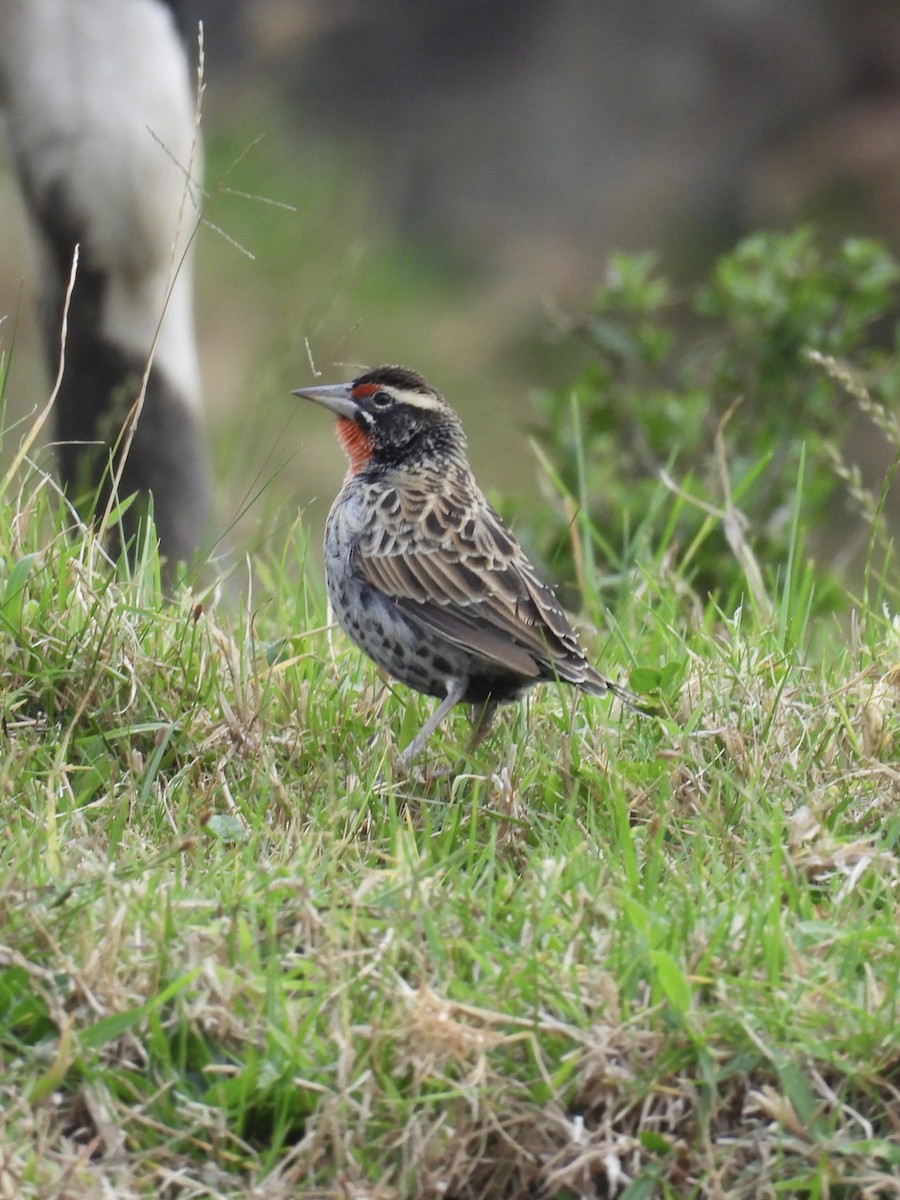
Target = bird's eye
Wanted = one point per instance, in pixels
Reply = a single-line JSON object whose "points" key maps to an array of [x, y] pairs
{"points": [[381, 400]]}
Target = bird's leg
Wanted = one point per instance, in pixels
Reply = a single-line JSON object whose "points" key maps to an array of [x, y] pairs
{"points": [[456, 689], [482, 718]]}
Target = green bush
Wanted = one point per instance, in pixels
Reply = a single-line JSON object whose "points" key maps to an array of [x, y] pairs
{"points": [[764, 340]]}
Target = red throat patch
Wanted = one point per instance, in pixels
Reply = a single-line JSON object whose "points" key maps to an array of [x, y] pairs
{"points": [[357, 446]]}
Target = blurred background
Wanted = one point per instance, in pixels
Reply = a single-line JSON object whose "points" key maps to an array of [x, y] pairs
{"points": [[442, 184]]}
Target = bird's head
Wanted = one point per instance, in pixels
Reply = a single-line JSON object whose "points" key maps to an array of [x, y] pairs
{"points": [[390, 416]]}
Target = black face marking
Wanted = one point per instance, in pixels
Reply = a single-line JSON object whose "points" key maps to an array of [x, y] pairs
{"points": [[403, 432]]}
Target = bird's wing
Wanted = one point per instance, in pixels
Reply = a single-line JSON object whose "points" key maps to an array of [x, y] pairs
{"points": [[447, 559]]}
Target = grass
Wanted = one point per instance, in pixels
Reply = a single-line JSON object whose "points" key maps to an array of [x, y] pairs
{"points": [[242, 955]]}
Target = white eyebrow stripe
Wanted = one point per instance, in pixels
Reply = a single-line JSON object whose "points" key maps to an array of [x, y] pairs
{"points": [[418, 399]]}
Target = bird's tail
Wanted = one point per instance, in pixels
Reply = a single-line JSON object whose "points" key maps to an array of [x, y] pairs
{"points": [[600, 685]]}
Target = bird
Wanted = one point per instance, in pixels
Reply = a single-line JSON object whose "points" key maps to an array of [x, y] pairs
{"points": [[422, 573]]}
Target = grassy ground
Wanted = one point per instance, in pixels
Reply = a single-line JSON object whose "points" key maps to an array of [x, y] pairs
{"points": [[242, 955]]}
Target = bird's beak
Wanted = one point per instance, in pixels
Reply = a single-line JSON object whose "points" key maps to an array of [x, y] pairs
{"points": [[336, 396]]}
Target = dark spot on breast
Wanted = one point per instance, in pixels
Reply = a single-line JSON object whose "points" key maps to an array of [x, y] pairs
{"points": [[433, 526], [415, 502], [469, 528], [441, 664], [452, 514]]}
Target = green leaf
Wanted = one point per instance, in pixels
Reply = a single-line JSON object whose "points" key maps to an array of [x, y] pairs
{"points": [[642, 1188], [107, 1029], [655, 1142], [644, 680], [96, 768], [798, 1091], [274, 651], [225, 828], [675, 987], [14, 592], [153, 765]]}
